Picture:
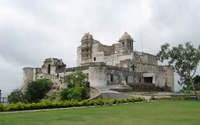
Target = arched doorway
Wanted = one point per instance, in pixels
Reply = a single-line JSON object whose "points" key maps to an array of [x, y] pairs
{"points": [[49, 68]]}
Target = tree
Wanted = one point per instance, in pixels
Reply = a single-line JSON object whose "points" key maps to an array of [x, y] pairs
{"points": [[63, 94], [76, 79], [196, 79], [184, 60], [75, 86], [16, 96], [36, 90], [76, 93]]}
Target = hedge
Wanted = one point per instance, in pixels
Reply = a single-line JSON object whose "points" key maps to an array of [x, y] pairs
{"points": [[48, 104]]}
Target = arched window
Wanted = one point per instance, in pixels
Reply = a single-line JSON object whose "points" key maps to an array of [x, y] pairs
{"points": [[49, 68]]}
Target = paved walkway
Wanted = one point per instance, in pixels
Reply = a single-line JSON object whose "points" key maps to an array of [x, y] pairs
{"points": [[113, 94]]}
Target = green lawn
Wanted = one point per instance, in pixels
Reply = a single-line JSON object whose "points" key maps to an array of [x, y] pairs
{"points": [[153, 113]]}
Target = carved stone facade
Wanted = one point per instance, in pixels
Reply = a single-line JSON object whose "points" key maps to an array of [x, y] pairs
{"points": [[107, 65]]}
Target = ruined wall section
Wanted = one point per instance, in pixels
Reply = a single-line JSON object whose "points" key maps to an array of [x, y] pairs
{"points": [[27, 78], [169, 74]]}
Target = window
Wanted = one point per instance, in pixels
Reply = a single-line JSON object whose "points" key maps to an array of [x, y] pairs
{"points": [[122, 43], [94, 58], [111, 77], [126, 78], [129, 43], [133, 68], [49, 68]]}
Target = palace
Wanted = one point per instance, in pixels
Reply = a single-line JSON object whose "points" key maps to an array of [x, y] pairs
{"points": [[106, 65]]}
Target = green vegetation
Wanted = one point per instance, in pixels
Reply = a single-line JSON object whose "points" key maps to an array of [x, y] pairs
{"points": [[48, 104], [196, 81], [36, 90], [16, 96], [154, 113], [75, 87], [184, 60], [76, 79]]}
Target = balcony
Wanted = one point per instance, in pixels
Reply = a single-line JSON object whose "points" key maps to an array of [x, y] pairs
{"points": [[86, 46]]}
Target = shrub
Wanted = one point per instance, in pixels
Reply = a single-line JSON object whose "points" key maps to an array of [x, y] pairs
{"points": [[75, 93], [63, 94], [128, 99], [2, 107], [20, 106], [67, 104], [141, 99], [92, 102], [114, 101], [99, 101], [84, 103], [76, 103], [12, 107], [123, 101], [36, 90]]}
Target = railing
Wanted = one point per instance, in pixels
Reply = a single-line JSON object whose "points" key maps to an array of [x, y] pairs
{"points": [[3, 100]]}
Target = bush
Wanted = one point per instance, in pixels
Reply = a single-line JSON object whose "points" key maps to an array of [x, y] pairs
{"points": [[84, 103], [2, 107], [67, 104], [63, 94], [114, 101], [49, 104], [36, 90], [92, 102], [12, 107], [75, 93], [99, 101]]}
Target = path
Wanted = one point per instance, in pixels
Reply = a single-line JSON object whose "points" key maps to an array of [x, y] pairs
{"points": [[113, 94]]}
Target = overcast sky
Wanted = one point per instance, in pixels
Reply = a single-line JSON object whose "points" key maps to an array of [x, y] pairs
{"points": [[33, 30]]}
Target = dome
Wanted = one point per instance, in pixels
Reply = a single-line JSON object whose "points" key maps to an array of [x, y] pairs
{"points": [[126, 36], [87, 36]]}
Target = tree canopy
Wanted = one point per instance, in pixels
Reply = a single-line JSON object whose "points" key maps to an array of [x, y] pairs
{"points": [[76, 79], [75, 86], [184, 60], [16, 96], [36, 90]]}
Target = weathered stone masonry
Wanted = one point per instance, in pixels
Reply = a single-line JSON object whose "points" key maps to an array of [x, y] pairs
{"points": [[106, 65]]}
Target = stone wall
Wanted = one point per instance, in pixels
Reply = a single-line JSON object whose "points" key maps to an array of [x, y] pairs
{"points": [[93, 93]]}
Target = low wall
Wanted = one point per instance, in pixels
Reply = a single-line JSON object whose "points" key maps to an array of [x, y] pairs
{"points": [[93, 93], [147, 87]]}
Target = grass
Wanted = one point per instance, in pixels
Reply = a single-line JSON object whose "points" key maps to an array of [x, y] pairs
{"points": [[154, 113]]}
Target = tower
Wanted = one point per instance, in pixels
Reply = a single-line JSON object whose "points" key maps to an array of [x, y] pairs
{"points": [[86, 49], [125, 44]]}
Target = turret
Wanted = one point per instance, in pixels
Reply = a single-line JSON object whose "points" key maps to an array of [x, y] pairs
{"points": [[125, 44], [86, 48]]}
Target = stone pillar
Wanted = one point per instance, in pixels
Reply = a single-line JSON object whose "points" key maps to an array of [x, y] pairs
{"points": [[27, 78]]}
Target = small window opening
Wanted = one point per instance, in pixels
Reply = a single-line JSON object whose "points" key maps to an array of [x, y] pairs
{"points": [[133, 68], [122, 43], [94, 58], [111, 77], [126, 78], [49, 68]]}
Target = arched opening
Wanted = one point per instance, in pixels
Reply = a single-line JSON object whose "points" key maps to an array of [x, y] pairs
{"points": [[49, 68]]}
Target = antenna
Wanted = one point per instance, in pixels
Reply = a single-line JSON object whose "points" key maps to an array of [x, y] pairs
{"points": [[119, 32], [141, 39]]}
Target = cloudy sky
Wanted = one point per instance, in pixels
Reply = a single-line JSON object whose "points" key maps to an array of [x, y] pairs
{"points": [[33, 30]]}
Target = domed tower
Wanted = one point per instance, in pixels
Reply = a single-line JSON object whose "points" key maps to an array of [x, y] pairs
{"points": [[125, 44], [86, 49]]}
